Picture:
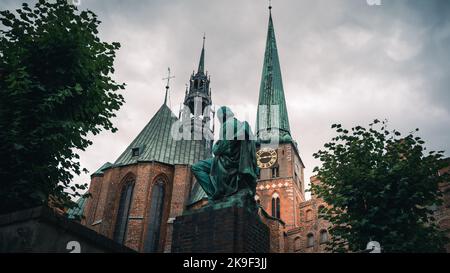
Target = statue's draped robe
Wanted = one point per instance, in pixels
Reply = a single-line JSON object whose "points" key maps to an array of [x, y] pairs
{"points": [[233, 167]]}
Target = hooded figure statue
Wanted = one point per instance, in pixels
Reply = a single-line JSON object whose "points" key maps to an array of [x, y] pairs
{"points": [[233, 168]]}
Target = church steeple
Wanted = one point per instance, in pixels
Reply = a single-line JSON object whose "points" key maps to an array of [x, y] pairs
{"points": [[201, 64], [196, 114], [272, 112], [199, 90]]}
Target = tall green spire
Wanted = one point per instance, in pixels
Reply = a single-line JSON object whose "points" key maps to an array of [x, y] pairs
{"points": [[272, 111], [201, 64]]}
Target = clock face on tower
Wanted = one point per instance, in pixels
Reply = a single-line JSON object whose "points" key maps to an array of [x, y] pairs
{"points": [[266, 158]]}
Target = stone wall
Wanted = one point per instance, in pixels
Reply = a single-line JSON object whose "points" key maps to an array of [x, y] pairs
{"points": [[41, 230]]}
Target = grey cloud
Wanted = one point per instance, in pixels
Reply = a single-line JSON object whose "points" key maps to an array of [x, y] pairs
{"points": [[342, 61]]}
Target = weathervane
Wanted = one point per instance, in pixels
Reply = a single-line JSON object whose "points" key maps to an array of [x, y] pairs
{"points": [[168, 82]]}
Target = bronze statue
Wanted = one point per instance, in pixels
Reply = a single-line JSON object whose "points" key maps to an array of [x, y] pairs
{"points": [[230, 176]]}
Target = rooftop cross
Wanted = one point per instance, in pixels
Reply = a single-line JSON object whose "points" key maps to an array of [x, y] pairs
{"points": [[168, 82]]}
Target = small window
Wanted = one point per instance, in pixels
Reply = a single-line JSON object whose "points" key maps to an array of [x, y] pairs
{"points": [[297, 244], [309, 215], [323, 236], [135, 152], [276, 206], [275, 172], [310, 240]]}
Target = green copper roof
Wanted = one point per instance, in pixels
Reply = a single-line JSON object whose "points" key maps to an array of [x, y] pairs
{"points": [[103, 168], [76, 212], [271, 90], [154, 142]]}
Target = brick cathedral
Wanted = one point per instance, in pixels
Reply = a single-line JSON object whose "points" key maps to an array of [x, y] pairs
{"points": [[135, 200]]}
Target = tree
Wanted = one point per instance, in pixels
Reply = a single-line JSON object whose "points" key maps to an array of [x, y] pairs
{"points": [[56, 88], [380, 186]]}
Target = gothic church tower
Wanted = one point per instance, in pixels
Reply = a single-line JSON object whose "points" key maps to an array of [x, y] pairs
{"points": [[197, 115], [280, 187]]}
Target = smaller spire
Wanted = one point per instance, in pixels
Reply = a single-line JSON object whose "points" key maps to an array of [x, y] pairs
{"points": [[201, 64], [167, 85]]}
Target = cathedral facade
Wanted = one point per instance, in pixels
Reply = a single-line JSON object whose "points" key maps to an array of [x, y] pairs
{"points": [[135, 200]]}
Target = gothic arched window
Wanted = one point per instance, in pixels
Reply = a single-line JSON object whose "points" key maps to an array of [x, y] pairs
{"points": [[310, 240], [276, 206], [123, 212], [155, 215], [323, 236], [275, 172]]}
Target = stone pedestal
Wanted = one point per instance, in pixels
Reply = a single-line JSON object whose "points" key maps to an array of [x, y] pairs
{"points": [[226, 230]]}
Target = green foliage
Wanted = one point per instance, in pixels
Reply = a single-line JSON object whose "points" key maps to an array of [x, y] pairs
{"points": [[380, 186], [56, 88]]}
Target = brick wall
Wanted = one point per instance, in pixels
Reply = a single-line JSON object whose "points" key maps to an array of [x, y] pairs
{"points": [[288, 186], [311, 224], [442, 214], [182, 184], [101, 210], [276, 228], [227, 230], [308, 223]]}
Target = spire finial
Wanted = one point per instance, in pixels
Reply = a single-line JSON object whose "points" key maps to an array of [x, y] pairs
{"points": [[204, 38], [270, 6], [168, 82]]}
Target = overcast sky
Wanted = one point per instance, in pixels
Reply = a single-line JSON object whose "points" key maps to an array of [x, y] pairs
{"points": [[342, 61]]}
